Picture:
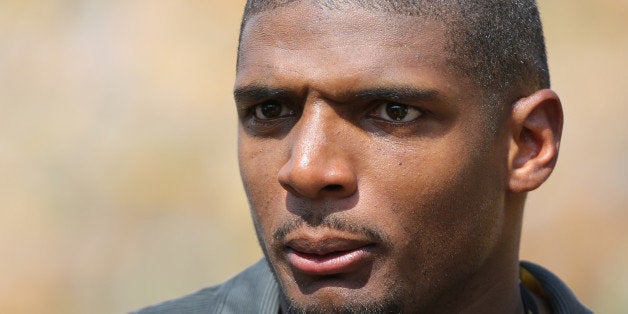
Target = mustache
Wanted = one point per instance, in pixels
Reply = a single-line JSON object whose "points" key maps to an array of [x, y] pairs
{"points": [[330, 222]]}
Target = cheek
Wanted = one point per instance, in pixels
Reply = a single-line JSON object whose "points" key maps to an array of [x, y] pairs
{"points": [[259, 167], [445, 208]]}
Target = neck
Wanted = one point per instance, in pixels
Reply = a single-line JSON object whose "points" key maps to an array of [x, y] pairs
{"points": [[494, 288], [494, 292]]}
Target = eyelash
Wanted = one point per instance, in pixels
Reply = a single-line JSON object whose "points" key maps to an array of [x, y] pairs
{"points": [[270, 125], [264, 126], [378, 108], [285, 110]]}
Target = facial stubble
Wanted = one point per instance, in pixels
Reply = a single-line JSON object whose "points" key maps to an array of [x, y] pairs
{"points": [[389, 301]]}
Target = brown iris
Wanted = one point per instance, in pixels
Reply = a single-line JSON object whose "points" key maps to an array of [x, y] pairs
{"points": [[397, 112]]}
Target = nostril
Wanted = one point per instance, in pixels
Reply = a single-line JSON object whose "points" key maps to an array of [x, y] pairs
{"points": [[333, 187]]}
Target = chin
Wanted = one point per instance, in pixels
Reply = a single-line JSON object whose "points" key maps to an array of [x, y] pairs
{"points": [[336, 304], [339, 294]]}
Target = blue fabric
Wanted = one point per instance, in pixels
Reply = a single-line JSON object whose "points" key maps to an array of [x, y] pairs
{"points": [[252, 291], [560, 298]]}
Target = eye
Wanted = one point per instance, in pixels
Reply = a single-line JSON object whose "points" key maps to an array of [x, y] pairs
{"points": [[271, 109], [396, 112]]}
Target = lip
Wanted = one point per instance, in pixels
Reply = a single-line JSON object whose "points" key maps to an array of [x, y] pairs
{"points": [[328, 254]]}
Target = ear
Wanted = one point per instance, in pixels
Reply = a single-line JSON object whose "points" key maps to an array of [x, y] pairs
{"points": [[536, 125]]}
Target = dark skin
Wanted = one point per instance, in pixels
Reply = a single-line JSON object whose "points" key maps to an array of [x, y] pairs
{"points": [[356, 133]]}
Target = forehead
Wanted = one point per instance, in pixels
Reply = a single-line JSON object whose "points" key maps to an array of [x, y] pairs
{"points": [[349, 45], [306, 16]]}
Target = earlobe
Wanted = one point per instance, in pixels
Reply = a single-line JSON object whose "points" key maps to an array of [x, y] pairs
{"points": [[536, 128]]}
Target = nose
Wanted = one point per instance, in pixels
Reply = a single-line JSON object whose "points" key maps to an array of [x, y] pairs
{"points": [[319, 165]]}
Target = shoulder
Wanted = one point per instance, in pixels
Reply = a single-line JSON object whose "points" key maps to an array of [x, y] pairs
{"points": [[253, 290], [557, 294]]}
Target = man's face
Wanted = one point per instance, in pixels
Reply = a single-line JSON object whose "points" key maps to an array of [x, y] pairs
{"points": [[373, 180]]}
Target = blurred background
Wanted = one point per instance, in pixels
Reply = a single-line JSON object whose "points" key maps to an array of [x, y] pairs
{"points": [[118, 156]]}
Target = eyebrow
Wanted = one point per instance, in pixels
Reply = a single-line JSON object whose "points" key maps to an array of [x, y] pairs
{"points": [[257, 92], [400, 93], [396, 93]]}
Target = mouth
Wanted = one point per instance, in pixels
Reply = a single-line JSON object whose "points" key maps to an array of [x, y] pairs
{"points": [[328, 254]]}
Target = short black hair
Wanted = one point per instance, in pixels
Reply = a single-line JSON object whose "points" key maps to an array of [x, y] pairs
{"points": [[499, 44]]}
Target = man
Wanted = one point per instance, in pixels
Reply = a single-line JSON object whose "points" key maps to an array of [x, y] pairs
{"points": [[386, 149]]}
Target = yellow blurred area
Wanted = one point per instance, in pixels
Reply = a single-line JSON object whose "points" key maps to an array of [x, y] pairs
{"points": [[118, 154]]}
